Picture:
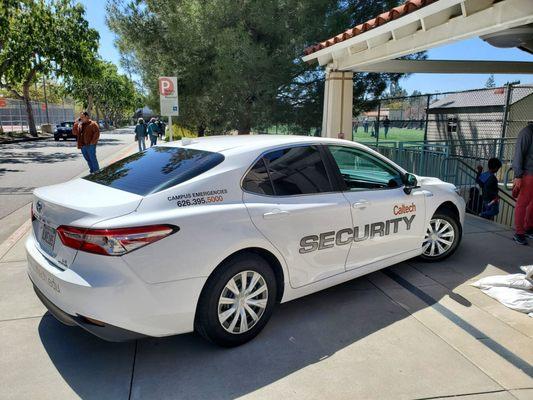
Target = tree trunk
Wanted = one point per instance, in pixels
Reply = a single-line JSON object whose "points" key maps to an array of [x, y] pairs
{"points": [[201, 131], [97, 115], [245, 123], [90, 104], [29, 110]]}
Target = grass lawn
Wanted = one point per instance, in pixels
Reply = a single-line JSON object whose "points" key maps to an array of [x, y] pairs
{"points": [[394, 134]]}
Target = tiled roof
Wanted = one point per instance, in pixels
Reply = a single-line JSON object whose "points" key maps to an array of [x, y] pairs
{"points": [[481, 98], [397, 12]]}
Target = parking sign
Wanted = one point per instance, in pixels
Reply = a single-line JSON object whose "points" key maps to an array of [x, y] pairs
{"points": [[168, 95]]}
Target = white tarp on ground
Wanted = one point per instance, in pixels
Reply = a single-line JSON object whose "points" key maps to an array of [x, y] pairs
{"points": [[514, 291]]}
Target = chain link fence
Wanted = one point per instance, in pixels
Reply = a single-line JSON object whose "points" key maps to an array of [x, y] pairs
{"points": [[489, 113], [13, 116]]}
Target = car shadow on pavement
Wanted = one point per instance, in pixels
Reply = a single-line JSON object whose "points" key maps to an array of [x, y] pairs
{"points": [[300, 334]]}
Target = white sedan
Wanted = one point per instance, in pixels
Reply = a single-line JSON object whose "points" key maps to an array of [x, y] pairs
{"points": [[209, 234]]}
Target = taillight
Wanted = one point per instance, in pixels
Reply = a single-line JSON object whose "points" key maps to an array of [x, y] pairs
{"points": [[113, 242]]}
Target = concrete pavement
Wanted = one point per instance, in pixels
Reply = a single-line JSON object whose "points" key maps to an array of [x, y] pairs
{"points": [[412, 331]]}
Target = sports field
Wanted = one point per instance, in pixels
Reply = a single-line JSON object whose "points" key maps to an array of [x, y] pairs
{"points": [[394, 134]]}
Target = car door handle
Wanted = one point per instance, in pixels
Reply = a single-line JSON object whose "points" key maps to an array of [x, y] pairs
{"points": [[361, 204], [275, 214]]}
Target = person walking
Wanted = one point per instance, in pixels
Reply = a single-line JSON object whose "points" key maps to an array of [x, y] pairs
{"points": [[386, 125], [365, 124], [153, 132], [523, 185], [87, 134], [140, 134], [162, 128], [375, 131]]}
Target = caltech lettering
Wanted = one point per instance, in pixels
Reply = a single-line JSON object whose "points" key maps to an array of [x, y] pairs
{"points": [[345, 236], [404, 209]]}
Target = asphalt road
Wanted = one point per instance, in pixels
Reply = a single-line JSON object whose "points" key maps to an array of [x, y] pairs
{"points": [[25, 166]]}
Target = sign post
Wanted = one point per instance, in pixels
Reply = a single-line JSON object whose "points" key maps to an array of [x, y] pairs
{"points": [[168, 99]]}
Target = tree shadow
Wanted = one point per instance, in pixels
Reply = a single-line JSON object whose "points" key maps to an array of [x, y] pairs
{"points": [[26, 152], [300, 334], [32, 157], [3, 171], [16, 190], [51, 143]]}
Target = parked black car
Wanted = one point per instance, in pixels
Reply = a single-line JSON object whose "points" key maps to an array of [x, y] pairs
{"points": [[64, 131]]}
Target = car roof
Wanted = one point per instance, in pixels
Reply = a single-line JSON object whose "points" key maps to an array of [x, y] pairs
{"points": [[246, 143]]}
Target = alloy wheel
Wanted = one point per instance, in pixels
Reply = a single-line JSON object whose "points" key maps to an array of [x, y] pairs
{"points": [[439, 238], [242, 302]]}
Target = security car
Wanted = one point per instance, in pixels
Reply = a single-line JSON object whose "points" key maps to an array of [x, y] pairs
{"points": [[210, 234]]}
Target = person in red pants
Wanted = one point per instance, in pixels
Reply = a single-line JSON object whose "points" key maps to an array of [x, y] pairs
{"points": [[523, 185]]}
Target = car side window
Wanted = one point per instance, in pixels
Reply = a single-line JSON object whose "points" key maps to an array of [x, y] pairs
{"points": [[291, 171], [363, 171], [257, 180]]}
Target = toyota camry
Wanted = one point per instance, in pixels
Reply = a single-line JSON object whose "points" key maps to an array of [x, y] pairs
{"points": [[208, 235]]}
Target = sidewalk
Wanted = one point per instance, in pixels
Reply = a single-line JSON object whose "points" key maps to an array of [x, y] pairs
{"points": [[412, 331]]}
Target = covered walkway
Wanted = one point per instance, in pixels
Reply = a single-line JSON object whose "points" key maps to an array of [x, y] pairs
{"points": [[379, 44]]}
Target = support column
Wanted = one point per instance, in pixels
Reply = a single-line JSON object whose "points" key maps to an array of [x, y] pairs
{"points": [[338, 104]]}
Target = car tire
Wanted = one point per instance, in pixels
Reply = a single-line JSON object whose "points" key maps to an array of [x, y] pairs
{"points": [[56, 139], [442, 238], [223, 291]]}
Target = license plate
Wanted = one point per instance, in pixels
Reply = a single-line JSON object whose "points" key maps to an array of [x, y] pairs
{"points": [[49, 236]]}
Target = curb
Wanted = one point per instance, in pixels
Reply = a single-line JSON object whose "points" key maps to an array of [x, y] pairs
{"points": [[14, 238]]}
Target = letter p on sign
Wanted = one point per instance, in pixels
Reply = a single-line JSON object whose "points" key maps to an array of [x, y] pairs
{"points": [[166, 86]]}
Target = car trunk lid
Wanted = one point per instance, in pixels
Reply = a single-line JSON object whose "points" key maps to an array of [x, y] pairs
{"points": [[78, 203]]}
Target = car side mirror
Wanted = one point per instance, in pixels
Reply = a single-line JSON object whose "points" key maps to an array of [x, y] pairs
{"points": [[409, 183]]}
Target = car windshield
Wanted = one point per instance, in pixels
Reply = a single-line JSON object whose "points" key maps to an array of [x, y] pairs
{"points": [[67, 124], [156, 169]]}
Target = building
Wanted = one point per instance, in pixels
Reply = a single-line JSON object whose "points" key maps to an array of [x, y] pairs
{"points": [[480, 114]]}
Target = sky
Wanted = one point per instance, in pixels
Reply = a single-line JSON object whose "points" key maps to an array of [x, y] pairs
{"points": [[472, 49]]}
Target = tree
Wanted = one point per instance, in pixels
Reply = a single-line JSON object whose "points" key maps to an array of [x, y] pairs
{"points": [[239, 62], [491, 83], [50, 38], [107, 91]]}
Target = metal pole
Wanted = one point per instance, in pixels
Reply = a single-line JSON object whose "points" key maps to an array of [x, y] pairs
{"points": [[46, 100], [19, 102], [38, 119], [505, 117], [427, 119], [377, 124], [170, 133]]}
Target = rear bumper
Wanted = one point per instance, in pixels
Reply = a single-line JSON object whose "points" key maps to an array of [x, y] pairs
{"points": [[107, 332], [106, 289]]}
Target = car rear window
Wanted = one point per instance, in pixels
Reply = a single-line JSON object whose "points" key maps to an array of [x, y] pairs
{"points": [[287, 172], [156, 169]]}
